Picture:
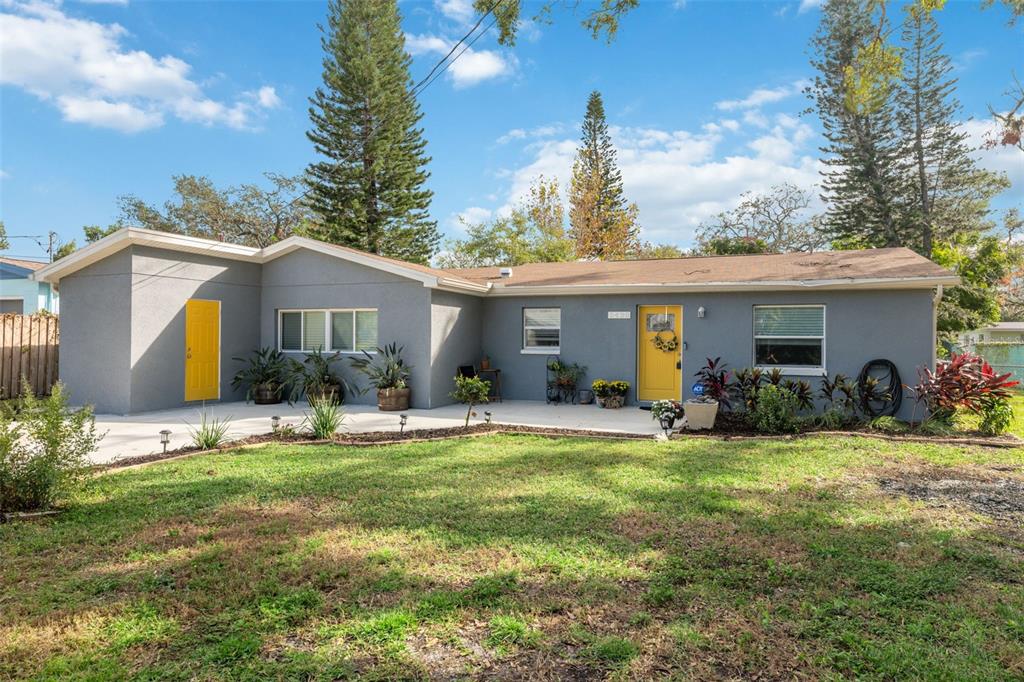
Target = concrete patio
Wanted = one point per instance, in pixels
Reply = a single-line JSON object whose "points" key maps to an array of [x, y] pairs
{"points": [[139, 434]]}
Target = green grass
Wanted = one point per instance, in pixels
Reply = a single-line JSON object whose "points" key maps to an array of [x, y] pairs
{"points": [[492, 556]]}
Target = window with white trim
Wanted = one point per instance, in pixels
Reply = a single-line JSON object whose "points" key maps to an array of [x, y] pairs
{"points": [[790, 336], [542, 330], [348, 331]]}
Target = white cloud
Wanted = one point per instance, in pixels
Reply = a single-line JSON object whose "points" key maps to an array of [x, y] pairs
{"points": [[474, 215], [762, 96], [808, 5], [679, 178], [539, 132], [1005, 159], [471, 67], [457, 10], [83, 68], [101, 113]]}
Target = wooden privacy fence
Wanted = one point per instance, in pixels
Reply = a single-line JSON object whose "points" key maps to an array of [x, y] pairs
{"points": [[28, 348]]}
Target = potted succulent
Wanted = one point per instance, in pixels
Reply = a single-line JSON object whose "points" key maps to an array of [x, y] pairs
{"points": [[315, 378], [667, 412], [610, 394], [713, 380], [485, 362], [389, 374], [264, 376]]}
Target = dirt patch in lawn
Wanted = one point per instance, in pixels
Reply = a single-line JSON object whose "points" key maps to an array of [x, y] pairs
{"points": [[986, 491]]}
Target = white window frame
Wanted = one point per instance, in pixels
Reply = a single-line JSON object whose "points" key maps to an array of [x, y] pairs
{"points": [[792, 370], [328, 327], [541, 350]]}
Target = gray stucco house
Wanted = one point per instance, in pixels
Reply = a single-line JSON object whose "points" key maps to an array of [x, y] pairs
{"points": [[137, 301]]}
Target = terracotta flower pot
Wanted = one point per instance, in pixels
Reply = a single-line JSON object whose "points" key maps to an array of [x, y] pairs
{"points": [[393, 399], [700, 415]]}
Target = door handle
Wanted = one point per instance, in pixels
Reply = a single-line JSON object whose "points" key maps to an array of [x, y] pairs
{"points": [[679, 364]]}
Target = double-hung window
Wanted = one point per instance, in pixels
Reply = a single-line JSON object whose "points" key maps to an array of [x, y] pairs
{"points": [[347, 331], [542, 330], [791, 337]]}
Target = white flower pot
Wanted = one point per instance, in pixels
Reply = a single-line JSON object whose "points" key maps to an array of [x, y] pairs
{"points": [[700, 415]]}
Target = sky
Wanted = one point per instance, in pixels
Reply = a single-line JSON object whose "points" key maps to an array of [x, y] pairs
{"points": [[111, 97]]}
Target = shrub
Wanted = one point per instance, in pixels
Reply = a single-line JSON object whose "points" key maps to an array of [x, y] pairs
{"points": [[996, 416], [607, 389], [325, 418], [775, 411], [43, 455], [211, 433], [965, 381], [887, 424], [748, 382], [832, 419], [385, 370], [666, 407], [471, 391], [714, 379]]}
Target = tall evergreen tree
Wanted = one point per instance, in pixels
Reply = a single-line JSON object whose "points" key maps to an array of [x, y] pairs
{"points": [[947, 194], [367, 190], [861, 184], [601, 223]]}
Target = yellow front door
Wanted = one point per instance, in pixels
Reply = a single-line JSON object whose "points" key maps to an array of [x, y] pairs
{"points": [[659, 373], [202, 349]]}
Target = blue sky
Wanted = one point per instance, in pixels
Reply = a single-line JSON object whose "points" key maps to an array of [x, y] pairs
{"points": [[107, 98]]}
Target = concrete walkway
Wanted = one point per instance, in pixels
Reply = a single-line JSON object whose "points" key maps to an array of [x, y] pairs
{"points": [[139, 434]]}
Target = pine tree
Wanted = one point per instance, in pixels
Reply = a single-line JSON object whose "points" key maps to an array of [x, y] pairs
{"points": [[861, 184], [367, 191], [947, 194], [601, 223]]}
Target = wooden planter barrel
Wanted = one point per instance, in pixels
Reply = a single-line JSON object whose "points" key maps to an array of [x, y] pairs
{"points": [[393, 399], [266, 394]]}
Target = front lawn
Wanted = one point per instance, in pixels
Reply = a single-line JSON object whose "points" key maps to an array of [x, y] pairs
{"points": [[523, 557]]}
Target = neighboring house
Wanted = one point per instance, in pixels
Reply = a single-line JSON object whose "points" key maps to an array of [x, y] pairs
{"points": [[999, 332], [19, 293], [133, 298]]}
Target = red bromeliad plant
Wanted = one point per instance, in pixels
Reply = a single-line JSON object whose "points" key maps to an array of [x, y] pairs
{"points": [[715, 379], [965, 381]]}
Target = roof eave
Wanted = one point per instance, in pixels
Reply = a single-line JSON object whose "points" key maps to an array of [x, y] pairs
{"points": [[711, 287]]}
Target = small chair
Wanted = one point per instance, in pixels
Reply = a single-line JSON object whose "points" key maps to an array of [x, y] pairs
{"points": [[467, 371]]}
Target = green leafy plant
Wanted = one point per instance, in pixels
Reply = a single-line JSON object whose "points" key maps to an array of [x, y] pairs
{"points": [[210, 433], [325, 417], [315, 377], [386, 369], [887, 424], [996, 416], [43, 455], [264, 367], [801, 390], [747, 383], [607, 389], [471, 391], [775, 411], [567, 375], [832, 419]]}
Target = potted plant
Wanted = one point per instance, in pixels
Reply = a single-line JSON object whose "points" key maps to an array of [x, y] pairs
{"points": [[610, 394], [713, 380], [389, 374], [485, 362], [567, 377], [264, 376], [314, 378], [667, 412]]}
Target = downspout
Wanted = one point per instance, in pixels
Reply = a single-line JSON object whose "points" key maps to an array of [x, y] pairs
{"points": [[936, 299]]}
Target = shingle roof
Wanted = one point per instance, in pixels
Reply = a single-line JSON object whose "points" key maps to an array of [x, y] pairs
{"points": [[21, 263], [871, 264]]}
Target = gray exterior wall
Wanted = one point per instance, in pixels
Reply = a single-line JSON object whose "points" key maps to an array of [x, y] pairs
{"points": [[162, 281], [859, 326], [305, 279], [95, 334], [123, 332], [455, 325]]}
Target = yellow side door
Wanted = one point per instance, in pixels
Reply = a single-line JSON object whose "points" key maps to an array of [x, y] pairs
{"points": [[202, 350], [659, 373]]}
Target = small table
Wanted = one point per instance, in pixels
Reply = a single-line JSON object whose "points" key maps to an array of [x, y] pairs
{"points": [[495, 383]]}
